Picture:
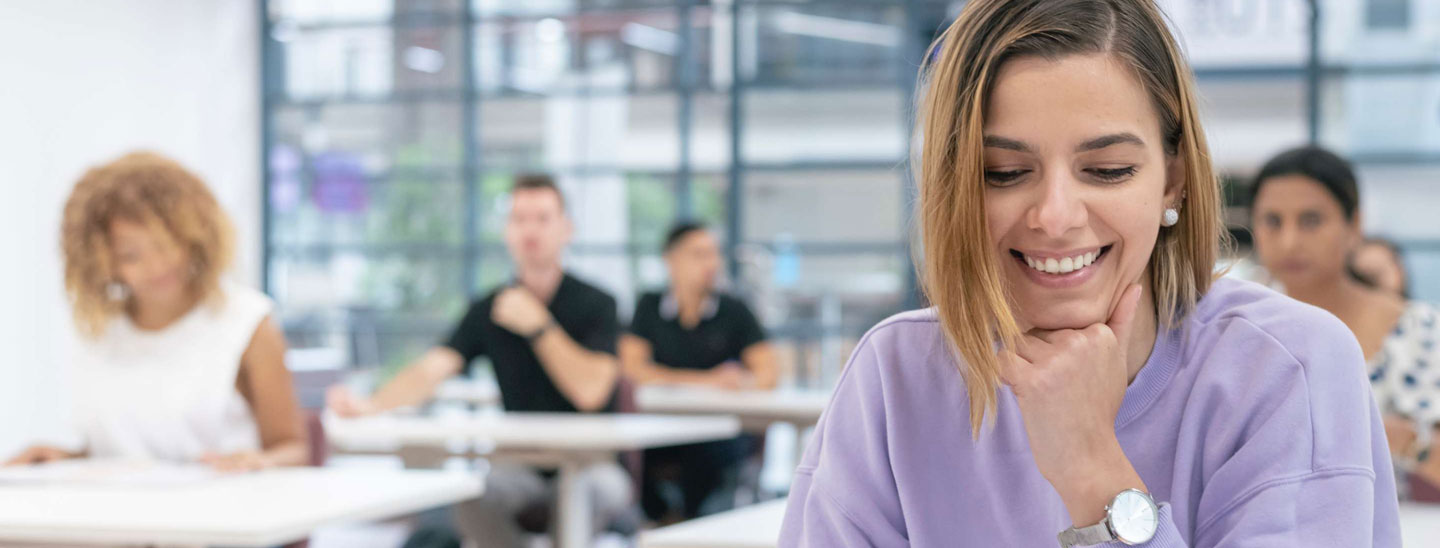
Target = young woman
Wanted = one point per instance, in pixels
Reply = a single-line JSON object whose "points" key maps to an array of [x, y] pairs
{"points": [[1307, 226], [176, 363], [1083, 375]]}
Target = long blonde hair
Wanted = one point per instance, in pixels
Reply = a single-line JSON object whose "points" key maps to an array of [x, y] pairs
{"points": [[960, 272], [146, 188]]}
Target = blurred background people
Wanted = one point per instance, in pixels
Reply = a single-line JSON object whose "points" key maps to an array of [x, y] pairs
{"points": [[1306, 220], [176, 363], [692, 334], [551, 339], [1379, 263]]}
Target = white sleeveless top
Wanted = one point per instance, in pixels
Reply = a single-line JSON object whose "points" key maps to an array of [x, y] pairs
{"points": [[170, 394]]}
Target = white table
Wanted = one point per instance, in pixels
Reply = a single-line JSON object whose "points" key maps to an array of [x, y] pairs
{"points": [[566, 441], [757, 409], [1420, 524], [756, 526], [475, 393], [263, 509]]}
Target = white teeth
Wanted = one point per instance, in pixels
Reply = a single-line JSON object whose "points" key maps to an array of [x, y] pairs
{"points": [[1064, 265]]}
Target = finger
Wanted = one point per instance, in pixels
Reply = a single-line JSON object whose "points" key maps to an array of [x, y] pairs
{"points": [[1032, 348], [1013, 368], [1123, 318]]}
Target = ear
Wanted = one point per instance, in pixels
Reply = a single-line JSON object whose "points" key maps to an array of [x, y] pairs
{"points": [[1175, 177]]}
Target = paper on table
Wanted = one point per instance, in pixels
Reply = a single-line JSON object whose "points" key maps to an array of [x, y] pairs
{"points": [[120, 473]]}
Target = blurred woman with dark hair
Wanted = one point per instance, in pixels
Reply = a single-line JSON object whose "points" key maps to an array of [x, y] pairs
{"points": [[1306, 220]]}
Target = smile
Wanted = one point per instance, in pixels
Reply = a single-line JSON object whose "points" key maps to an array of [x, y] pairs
{"points": [[1061, 265]]}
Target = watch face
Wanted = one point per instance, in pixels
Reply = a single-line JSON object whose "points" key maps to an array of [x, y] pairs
{"points": [[1134, 517]]}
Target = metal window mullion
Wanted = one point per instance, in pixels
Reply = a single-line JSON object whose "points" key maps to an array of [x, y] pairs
{"points": [[734, 200], [470, 138]]}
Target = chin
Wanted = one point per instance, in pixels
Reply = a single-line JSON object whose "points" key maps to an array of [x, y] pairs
{"points": [[1056, 316]]}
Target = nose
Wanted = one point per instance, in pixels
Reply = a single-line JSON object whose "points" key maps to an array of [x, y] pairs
{"points": [[1058, 207], [1287, 238]]}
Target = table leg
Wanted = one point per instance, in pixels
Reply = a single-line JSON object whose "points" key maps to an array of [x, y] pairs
{"points": [[572, 508]]}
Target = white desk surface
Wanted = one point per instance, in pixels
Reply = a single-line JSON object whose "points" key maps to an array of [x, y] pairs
{"points": [[1420, 525], [799, 406], [474, 392], [263, 509], [756, 526], [578, 432]]}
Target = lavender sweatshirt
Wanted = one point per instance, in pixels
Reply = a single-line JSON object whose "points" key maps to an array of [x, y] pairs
{"points": [[1252, 424]]}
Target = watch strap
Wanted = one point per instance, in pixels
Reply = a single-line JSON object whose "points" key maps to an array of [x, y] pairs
{"points": [[538, 332], [1087, 536]]}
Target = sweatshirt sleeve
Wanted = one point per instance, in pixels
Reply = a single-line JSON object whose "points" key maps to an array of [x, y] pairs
{"points": [[1310, 380], [844, 492]]}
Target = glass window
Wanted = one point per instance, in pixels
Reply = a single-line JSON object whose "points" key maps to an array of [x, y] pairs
{"points": [[391, 156]]}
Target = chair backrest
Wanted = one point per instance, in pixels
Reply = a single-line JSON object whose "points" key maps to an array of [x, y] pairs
{"points": [[315, 437], [1422, 490], [625, 402]]}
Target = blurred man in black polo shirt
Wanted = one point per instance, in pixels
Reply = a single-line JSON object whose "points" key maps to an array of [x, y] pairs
{"points": [[692, 334], [551, 339]]}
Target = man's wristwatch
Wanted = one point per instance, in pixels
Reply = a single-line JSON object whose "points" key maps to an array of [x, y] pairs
{"points": [[1131, 518], [531, 336]]}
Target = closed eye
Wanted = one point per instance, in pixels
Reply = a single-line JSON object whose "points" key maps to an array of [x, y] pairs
{"points": [[1004, 177], [1112, 175]]}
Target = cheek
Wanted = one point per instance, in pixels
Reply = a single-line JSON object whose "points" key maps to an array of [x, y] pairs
{"points": [[178, 260], [1003, 213], [1330, 239], [1138, 232], [128, 274]]}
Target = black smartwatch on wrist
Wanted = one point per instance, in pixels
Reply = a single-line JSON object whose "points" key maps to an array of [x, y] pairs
{"points": [[532, 336]]}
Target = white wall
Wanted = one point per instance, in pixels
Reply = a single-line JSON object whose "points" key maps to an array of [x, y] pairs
{"points": [[82, 81]]}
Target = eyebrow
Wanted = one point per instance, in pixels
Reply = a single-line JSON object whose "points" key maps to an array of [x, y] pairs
{"points": [[992, 141], [995, 141], [1108, 140]]}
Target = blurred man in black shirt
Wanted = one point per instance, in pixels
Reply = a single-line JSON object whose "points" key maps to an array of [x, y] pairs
{"points": [[551, 340], [693, 334]]}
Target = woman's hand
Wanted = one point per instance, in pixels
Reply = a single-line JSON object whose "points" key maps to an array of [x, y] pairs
{"points": [[1069, 385], [40, 454], [243, 461]]}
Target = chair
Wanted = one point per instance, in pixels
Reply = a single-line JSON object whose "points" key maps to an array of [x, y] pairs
{"points": [[319, 452]]}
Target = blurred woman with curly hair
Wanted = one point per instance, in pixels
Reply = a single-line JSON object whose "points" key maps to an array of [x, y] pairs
{"points": [[176, 363]]}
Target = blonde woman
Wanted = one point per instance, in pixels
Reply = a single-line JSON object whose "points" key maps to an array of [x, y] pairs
{"points": [[1083, 375], [176, 363]]}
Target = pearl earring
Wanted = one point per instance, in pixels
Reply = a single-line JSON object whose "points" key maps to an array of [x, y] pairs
{"points": [[1172, 216], [116, 291]]}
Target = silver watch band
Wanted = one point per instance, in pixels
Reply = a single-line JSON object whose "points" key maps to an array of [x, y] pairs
{"points": [[1086, 536]]}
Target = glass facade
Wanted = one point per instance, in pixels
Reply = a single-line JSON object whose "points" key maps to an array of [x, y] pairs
{"points": [[392, 129]]}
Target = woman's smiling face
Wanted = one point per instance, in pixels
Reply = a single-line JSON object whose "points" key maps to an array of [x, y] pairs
{"points": [[1077, 180]]}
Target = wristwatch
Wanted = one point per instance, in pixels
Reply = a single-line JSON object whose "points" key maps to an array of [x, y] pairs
{"points": [[530, 337], [1131, 518]]}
